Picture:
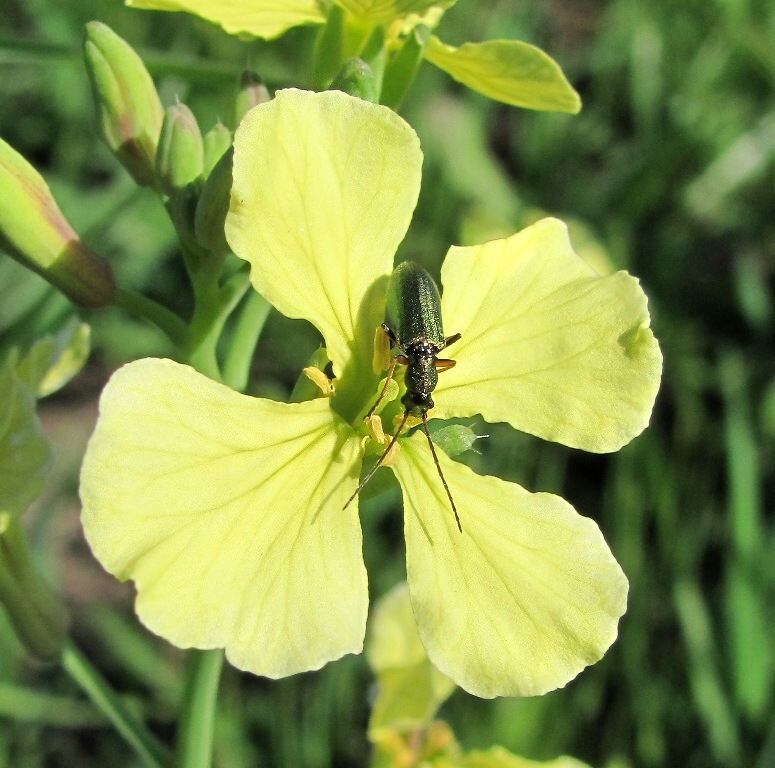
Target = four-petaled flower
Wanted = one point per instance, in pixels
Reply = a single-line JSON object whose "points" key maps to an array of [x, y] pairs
{"points": [[227, 510]]}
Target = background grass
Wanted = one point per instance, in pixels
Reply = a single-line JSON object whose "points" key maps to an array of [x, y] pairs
{"points": [[668, 171]]}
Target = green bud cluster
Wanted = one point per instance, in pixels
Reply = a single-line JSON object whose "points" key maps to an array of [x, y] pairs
{"points": [[165, 148]]}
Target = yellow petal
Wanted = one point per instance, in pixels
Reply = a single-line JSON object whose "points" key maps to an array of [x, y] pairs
{"points": [[385, 11], [263, 18], [519, 602], [547, 345], [226, 510], [324, 189], [509, 71], [410, 688]]}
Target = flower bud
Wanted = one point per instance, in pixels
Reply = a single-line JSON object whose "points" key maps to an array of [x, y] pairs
{"points": [[216, 141], [213, 205], [34, 232], [251, 93], [129, 112], [357, 79], [180, 156]]}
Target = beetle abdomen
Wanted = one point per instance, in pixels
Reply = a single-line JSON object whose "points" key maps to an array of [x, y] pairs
{"points": [[413, 308]]}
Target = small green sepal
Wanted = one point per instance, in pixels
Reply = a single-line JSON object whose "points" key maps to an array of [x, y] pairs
{"points": [[182, 208], [213, 205], [455, 439], [327, 54], [402, 67], [357, 79], [129, 112], [374, 53], [35, 232], [180, 157]]}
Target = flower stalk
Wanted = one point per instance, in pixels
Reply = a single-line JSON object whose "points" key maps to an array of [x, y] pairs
{"points": [[37, 613]]}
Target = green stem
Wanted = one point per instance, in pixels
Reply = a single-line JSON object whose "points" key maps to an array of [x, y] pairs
{"points": [[163, 318], [197, 722], [27, 705], [236, 369], [213, 305], [37, 613], [151, 751]]}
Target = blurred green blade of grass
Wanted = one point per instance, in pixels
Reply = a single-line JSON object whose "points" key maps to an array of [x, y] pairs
{"points": [[748, 634], [712, 704], [46, 53], [26, 705], [746, 159], [453, 131], [766, 758], [137, 654]]}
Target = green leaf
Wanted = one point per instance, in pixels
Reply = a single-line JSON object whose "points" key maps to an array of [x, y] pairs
{"points": [[411, 689], [25, 454], [53, 360], [509, 71]]}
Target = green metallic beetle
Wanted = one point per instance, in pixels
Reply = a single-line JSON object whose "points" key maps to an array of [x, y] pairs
{"points": [[413, 325]]}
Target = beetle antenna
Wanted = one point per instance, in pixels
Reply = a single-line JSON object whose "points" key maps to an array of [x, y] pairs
{"points": [[379, 463], [438, 467]]}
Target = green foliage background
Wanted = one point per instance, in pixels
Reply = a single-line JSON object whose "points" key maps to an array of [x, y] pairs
{"points": [[668, 171]]}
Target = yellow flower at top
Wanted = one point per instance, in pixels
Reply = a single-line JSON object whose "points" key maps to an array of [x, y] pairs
{"points": [[509, 71], [271, 18], [227, 510]]}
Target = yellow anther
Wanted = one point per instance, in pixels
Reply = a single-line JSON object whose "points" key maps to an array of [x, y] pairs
{"points": [[374, 425], [316, 376], [381, 361]]}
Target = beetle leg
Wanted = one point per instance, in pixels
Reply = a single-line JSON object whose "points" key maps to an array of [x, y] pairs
{"points": [[443, 364], [449, 340]]}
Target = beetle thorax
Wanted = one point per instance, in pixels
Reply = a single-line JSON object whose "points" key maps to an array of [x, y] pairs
{"points": [[420, 379]]}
